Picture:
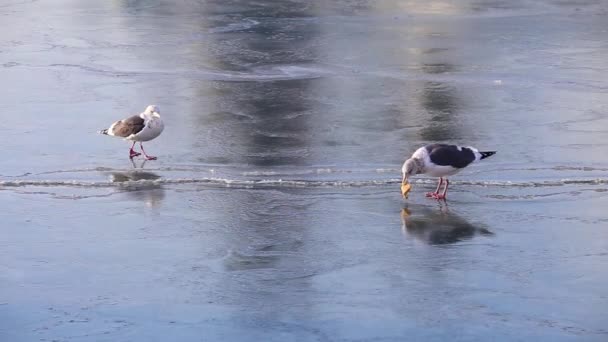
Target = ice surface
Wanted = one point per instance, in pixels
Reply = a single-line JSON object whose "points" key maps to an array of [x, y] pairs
{"points": [[273, 212]]}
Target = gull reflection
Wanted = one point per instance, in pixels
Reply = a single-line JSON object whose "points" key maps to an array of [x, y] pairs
{"points": [[136, 174], [133, 182], [438, 227]]}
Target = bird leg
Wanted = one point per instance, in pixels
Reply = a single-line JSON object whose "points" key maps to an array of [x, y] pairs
{"points": [[438, 185], [436, 193], [132, 152], [141, 145], [442, 196]]}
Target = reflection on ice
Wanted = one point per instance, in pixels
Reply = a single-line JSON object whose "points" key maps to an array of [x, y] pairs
{"points": [[438, 227], [136, 174], [151, 193], [241, 262]]}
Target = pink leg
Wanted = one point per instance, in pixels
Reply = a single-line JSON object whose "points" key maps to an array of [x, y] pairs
{"points": [[141, 145], [439, 185], [132, 152], [434, 194], [445, 191]]}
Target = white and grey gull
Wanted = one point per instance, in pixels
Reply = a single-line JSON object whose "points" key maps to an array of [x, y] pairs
{"points": [[440, 160], [138, 128]]}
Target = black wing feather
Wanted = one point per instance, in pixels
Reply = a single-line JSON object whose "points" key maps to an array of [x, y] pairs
{"points": [[450, 155]]}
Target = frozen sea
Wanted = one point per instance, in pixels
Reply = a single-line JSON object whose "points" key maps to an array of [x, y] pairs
{"points": [[273, 212]]}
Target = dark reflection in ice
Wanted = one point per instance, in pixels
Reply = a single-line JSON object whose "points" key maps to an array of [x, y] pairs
{"points": [[136, 175], [440, 101], [258, 123], [438, 226], [150, 193], [237, 261], [257, 129]]}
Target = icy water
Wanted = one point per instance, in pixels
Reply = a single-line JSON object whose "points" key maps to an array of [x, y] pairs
{"points": [[273, 212]]}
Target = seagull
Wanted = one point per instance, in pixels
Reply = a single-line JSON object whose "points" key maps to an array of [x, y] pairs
{"points": [[440, 160], [143, 127]]}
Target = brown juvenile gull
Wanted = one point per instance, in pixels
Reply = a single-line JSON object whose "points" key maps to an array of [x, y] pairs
{"points": [[143, 127], [439, 160]]}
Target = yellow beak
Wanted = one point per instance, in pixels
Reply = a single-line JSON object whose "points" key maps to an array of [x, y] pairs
{"points": [[406, 187]]}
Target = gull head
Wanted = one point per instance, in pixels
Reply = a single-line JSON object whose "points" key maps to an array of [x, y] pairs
{"points": [[152, 110], [410, 168]]}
